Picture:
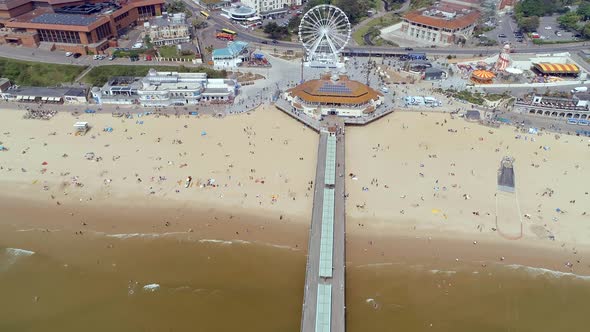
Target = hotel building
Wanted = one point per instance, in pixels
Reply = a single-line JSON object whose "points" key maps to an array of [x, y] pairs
{"points": [[442, 24], [68, 25]]}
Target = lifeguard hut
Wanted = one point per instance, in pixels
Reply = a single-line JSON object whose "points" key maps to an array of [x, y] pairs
{"points": [[81, 128]]}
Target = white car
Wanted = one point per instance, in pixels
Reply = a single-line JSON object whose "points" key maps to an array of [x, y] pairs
{"points": [[547, 28], [69, 53]]}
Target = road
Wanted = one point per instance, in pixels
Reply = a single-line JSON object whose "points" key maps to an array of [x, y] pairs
{"points": [[367, 37], [246, 36]]}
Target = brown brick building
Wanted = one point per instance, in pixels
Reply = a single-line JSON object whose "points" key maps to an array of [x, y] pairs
{"points": [[72, 25], [444, 23]]}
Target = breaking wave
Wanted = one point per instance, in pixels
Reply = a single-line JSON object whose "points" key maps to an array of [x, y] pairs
{"points": [[149, 235], [442, 272], [15, 252], [215, 241], [11, 255], [539, 271], [151, 287]]}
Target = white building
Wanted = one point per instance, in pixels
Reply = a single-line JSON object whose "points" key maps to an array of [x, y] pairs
{"points": [[265, 7], [240, 13], [230, 56], [168, 29], [161, 89]]}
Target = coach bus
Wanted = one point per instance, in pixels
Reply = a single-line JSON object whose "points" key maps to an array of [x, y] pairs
{"points": [[231, 32], [205, 15]]}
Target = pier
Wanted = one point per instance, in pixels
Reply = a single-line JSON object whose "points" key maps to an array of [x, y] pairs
{"points": [[324, 295], [324, 306]]}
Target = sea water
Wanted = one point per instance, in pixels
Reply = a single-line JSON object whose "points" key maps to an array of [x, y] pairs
{"points": [[51, 282]]}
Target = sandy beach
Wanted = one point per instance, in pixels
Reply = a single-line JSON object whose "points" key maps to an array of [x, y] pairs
{"points": [[426, 180], [255, 167], [432, 178]]}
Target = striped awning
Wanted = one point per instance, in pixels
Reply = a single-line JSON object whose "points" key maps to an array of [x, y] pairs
{"points": [[557, 68], [483, 74]]}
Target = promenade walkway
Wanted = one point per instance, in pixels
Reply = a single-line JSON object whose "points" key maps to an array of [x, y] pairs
{"points": [[324, 296]]}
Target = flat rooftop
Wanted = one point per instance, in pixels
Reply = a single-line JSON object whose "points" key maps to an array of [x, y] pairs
{"points": [[64, 19], [173, 86], [88, 8]]}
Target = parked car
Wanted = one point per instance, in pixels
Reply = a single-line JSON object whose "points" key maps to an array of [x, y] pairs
{"points": [[77, 55], [274, 41], [409, 49], [69, 53], [265, 42], [547, 28], [501, 35], [112, 57], [580, 89]]}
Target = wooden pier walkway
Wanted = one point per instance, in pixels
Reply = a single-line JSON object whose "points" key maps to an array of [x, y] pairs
{"points": [[324, 296]]}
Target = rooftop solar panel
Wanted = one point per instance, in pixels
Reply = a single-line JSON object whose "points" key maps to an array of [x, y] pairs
{"points": [[65, 19], [334, 88]]}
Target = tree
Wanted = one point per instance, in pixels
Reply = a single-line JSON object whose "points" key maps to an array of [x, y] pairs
{"points": [[199, 24], [529, 24], [569, 20], [584, 11], [176, 6], [528, 8], [354, 9], [586, 30], [295, 20], [147, 41], [275, 31]]}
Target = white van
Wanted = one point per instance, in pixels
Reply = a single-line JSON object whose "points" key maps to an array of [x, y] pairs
{"points": [[580, 89]]}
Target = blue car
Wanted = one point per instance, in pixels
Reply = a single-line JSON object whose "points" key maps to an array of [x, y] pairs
{"points": [[89, 111]]}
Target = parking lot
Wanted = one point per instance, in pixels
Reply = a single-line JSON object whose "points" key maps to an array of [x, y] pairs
{"points": [[506, 26], [504, 32], [549, 29]]}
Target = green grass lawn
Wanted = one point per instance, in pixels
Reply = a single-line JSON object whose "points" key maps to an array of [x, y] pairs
{"points": [[98, 76], [380, 22], [38, 73], [172, 52], [168, 51]]}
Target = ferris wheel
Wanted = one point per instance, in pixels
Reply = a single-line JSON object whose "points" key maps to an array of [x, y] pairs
{"points": [[324, 32]]}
